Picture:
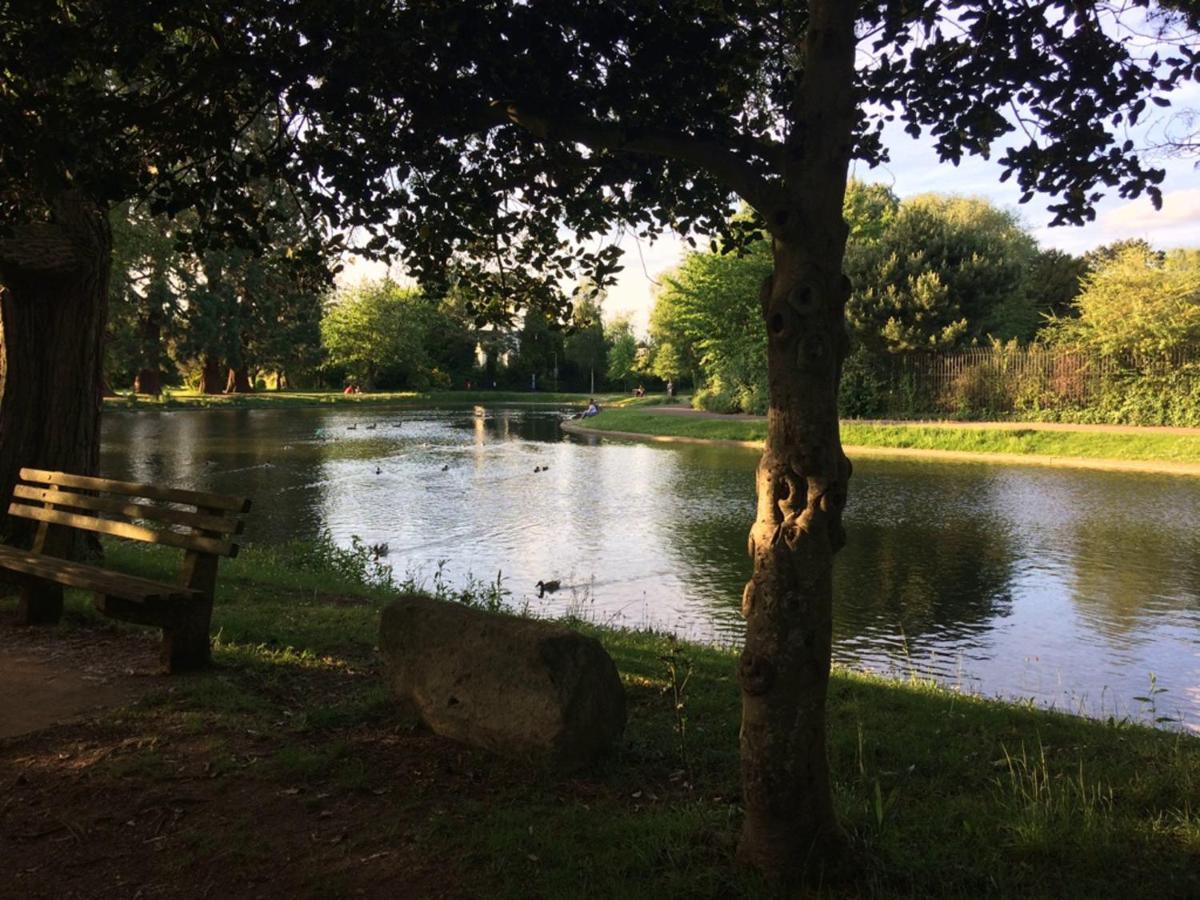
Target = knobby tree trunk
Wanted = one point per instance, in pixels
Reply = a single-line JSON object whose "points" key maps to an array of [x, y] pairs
{"points": [[53, 306], [790, 825], [210, 375]]}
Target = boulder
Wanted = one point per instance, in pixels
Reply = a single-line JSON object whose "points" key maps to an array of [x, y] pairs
{"points": [[522, 688]]}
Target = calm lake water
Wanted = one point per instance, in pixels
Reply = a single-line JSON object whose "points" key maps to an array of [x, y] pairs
{"points": [[1068, 587]]}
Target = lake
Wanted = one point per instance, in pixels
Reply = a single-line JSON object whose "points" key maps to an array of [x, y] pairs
{"points": [[1071, 588]]}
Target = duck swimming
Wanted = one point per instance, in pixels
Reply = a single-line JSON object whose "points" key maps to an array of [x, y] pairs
{"points": [[548, 587]]}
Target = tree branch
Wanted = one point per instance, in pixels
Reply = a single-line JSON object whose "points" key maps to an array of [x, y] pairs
{"points": [[712, 156]]}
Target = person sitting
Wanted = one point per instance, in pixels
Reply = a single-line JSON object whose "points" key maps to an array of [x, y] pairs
{"points": [[592, 409]]}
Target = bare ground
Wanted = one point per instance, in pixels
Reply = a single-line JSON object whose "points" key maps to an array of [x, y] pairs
{"points": [[163, 799]]}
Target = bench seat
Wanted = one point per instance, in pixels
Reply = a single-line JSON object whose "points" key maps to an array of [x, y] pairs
{"points": [[64, 505], [93, 578]]}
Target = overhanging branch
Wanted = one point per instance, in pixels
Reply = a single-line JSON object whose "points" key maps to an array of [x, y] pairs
{"points": [[712, 156]]}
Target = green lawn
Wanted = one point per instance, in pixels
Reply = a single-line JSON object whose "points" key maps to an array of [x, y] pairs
{"points": [[942, 794], [1150, 446]]}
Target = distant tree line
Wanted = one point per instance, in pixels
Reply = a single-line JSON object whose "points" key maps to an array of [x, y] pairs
{"points": [[929, 274], [229, 320]]}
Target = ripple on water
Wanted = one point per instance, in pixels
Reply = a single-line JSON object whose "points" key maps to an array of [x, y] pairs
{"points": [[1070, 587]]}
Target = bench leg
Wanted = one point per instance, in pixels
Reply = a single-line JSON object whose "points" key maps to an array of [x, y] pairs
{"points": [[41, 604], [185, 644]]}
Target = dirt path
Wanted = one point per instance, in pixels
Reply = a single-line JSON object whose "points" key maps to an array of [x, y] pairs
{"points": [[50, 675], [945, 423]]}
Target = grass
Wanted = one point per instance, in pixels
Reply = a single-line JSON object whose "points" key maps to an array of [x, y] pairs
{"points": [[942, 793], [1150, 446], [187, 399]]}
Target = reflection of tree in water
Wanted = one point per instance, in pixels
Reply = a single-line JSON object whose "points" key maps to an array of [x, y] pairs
{"points": [[267, 455], [1127, 571], [942, 580], [713, 522], [529, 425]]}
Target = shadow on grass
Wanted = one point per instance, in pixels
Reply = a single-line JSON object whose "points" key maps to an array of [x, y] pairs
{"points": [[288, 769]]}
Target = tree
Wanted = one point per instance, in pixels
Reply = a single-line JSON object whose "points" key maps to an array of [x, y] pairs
{"points": [[870, 210], [1054, 282], [585, 347], [1141, 303], [214, 314], [474, 137], [539, 347], [1099, 257], [622, 351], [944, 271], [709, 306], [103, 102], [377, 332], [143, 299]]}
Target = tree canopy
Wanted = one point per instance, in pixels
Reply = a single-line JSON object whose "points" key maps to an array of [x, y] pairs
{"points": [[945, 270], [1138, 303], [547, 116]]}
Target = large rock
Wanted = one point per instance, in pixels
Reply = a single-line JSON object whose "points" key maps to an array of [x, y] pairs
{"points": [[519, 687]]}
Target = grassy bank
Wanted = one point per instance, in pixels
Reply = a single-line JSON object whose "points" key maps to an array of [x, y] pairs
{"points": [[180, 399], [288, 768], [1151, 446]]}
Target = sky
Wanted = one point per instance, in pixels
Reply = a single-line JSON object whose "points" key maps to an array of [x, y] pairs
{"points": [[915, 169]]}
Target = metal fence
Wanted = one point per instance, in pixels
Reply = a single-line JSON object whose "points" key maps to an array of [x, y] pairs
{"points": [[1009, 380]]}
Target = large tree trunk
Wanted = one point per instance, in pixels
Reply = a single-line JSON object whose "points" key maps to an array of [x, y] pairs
{"points": [[53, 306], [790, 826], [238, 381], [210, 375], [149, 377]]}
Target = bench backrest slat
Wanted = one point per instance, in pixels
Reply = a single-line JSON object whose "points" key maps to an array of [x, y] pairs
{"points": [[223, 502], [124, 529], [70, 500]]}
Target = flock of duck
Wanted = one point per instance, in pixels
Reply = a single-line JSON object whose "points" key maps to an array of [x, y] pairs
{"points": [[378, 551]]}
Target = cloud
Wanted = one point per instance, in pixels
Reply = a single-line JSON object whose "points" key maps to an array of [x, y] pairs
{"points": [[1179, 208]]}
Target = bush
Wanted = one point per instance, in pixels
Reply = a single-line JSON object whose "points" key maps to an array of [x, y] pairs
{"points": [[864, 388], [714, 397]]}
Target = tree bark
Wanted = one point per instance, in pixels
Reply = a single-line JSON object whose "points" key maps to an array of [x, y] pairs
{"points": [[53, 306], [790, 826], [149, 377], [210, 375], [238, 381]]}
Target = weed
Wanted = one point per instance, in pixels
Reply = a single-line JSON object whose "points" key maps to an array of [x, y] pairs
{"points": [[679, 674], [1150, 701]]}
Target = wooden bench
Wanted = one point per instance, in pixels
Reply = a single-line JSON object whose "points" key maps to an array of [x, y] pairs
{"points": [[63, 504]]}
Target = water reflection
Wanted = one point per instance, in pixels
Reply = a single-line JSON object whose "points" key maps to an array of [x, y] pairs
{"points": [[1069, 587]]}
